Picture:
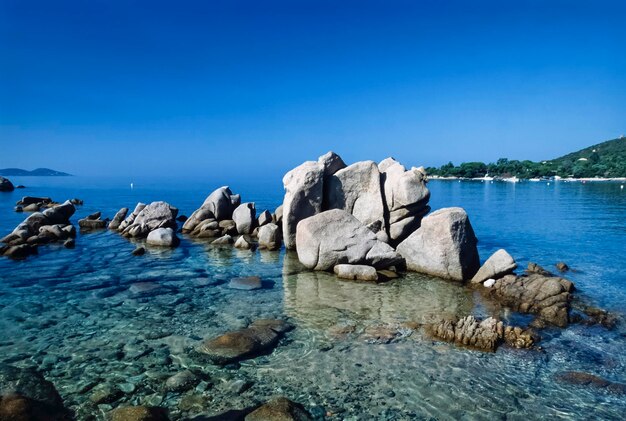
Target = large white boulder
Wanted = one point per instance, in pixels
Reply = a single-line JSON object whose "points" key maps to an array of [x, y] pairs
{"points": [[356, 189], [245, 218], [443, 246], [270, 237], [163, 237], [334, 237], [303, 197]]}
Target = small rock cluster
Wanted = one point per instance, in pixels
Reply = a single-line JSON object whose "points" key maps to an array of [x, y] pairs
{"points": [[223, 217], [39, 228], [156, 222]]}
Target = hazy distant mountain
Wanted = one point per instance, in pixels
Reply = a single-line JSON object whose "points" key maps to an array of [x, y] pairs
{"points": [[16, 172]]}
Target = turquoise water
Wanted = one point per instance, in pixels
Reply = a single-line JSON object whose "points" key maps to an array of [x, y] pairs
{"points": [[72, 313]]}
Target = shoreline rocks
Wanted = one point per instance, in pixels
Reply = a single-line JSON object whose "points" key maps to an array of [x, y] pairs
{"points": [[548, 297], [51, 225]]}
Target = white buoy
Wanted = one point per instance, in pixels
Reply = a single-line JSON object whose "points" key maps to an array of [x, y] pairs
{"points": [[548, 184], [621, 187], [131, 185]]}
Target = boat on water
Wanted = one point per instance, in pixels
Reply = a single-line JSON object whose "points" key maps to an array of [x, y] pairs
{"points": [[534, 179], [511, 179]]}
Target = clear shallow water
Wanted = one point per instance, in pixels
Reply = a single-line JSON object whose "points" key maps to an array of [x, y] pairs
{"points": [[71, 313]]}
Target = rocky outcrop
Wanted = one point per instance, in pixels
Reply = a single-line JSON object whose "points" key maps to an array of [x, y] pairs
{"points": [[303, 197], [245, 218], [219, 205], [406, 198], [356, 272], [270, 237], [548, 297], [162, 237], [151, 217], [485, 335], [279, 409], [40, 228], [259, 338], [26, 395], [386, 198], [334, 237], [443, 246], [6, 185], [118, 219], [499, 264]]}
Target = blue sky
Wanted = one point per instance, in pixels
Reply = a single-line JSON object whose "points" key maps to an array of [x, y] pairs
{"points": [[254, 88]]}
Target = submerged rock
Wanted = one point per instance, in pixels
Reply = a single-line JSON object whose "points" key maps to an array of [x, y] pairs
{"points": [[280, 409], [443, 246], [138, 413], [334, 237], [499, 264], [259, 338], [247, 283], [580, 378], [182, 381], [356, 272], [26, 395]]}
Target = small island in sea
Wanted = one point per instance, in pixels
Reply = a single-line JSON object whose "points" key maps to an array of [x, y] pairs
{"points": [[38, 172]]}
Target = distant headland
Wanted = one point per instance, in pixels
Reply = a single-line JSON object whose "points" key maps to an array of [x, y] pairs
{"points": [[39, 172]]}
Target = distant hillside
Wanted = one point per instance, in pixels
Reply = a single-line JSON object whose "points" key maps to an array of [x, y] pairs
{"points": [[606, 159], [16, 172]]}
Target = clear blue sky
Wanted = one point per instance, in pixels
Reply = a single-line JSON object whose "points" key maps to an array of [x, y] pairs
{"points": [[254, 88]]}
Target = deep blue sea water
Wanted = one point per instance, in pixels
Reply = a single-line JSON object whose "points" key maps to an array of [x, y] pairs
{"points": [[71, 314]]}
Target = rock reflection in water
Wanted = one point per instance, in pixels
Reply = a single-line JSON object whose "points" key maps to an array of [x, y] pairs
{"points": [[320, 299]]}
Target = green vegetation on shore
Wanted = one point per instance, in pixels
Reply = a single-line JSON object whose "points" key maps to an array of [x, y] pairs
{"points": [[607, 159]]}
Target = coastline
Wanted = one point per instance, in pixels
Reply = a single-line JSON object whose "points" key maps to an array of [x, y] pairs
{"points": [[514, 179]]}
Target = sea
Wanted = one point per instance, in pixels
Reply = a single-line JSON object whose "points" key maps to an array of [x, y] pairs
{"points": [[74, 315]]}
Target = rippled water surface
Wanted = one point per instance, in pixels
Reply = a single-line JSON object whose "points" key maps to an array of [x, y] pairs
{"points": [[73, 315]]}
